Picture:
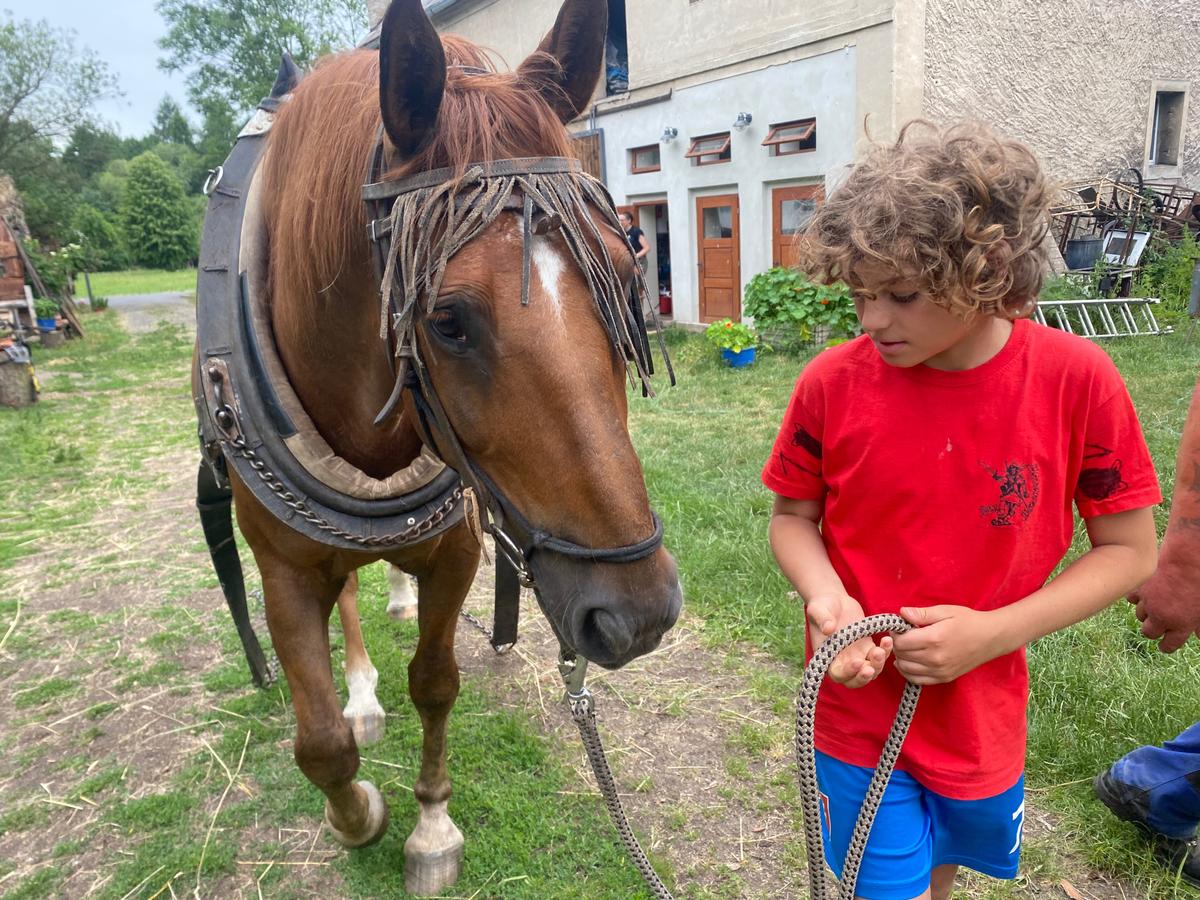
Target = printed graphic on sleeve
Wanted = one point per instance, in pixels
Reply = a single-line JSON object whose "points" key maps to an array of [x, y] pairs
{"points": [[1020, 487], [1100, 477], [805, 441], [787, 465]]}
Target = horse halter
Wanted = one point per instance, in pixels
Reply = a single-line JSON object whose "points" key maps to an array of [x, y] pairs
{"points": [[417, 223]]}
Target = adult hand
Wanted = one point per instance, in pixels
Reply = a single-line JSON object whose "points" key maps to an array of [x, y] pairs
{"points": [[1168, 605], [861, 662], [948, 641]]}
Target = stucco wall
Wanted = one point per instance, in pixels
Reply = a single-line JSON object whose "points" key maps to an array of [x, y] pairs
{"points": [[670, 39], [1070, 77], [512, 29]]}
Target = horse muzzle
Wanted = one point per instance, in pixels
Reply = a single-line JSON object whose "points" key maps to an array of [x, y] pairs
{"points": [[610, 613]]}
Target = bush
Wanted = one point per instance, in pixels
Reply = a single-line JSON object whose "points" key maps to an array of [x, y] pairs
{"points": [[56, 268], [103, 250], [1167, 272], [156, 216], [784, 299], [45, 309], [99, 304]]}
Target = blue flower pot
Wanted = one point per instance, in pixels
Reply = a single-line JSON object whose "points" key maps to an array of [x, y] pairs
{"points": [[738, 360], [47, 324]]}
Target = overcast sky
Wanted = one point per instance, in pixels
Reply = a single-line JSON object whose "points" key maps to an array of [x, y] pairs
{"points": [[123, 33]]}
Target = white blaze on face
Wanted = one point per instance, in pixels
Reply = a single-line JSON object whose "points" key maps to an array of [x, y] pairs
{"points": [[549, 263]]}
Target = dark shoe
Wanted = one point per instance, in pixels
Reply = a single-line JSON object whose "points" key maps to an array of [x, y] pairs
{"points": [[1131, 804]]}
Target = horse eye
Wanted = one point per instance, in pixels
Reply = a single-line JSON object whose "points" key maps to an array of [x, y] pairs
{"points": [[448, 325]]}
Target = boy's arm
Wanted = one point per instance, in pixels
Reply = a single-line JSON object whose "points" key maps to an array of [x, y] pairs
{"points": [[957, 639], [798, 547], [1168, 605]]}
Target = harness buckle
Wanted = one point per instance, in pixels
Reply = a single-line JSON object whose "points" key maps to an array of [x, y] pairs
{"points": [[573, 670], [213, 179]]}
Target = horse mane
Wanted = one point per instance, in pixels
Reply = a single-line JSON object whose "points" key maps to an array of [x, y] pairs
{"points": [[321, 139]]}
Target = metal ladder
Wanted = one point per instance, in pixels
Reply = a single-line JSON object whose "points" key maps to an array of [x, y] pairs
{"points": [[1118, 317]]}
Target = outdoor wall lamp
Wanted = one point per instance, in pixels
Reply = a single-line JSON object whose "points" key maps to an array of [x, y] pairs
{"points": [[669, 134], [742, 121]]}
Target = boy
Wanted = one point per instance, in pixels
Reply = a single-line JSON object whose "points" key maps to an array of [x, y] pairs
{"points": [[928, 468]]}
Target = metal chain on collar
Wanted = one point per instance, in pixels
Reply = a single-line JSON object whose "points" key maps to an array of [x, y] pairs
{"points": [[806, 758], [408, 535]]}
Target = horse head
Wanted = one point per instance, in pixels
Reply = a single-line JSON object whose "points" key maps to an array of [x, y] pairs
{"points": [[529, 375]]}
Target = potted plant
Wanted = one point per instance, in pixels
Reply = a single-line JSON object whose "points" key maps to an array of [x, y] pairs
{"points": [[47, 314], [790, 308], [737, 342]]}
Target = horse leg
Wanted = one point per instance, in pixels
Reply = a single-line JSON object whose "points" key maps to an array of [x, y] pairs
{"points": [[433, 852], [299, 602], [402, 602], [363, 712]]}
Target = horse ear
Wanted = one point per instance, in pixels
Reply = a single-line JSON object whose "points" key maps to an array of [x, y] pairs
{"points": [[567, 64], [412, 76]]}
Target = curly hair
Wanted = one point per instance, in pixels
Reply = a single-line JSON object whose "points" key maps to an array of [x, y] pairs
{"points": [[960, 208]]}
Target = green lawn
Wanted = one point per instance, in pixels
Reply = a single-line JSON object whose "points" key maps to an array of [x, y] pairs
{"points": [[118, 409], [137, 281]]}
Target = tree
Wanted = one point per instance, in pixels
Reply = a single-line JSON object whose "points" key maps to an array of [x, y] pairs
{"points": [[233, 47], [47, 87], [90, 149], [156, 216], [100, 241], [171, 125]]}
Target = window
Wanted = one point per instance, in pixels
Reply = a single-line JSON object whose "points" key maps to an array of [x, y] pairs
{"points": [[1167, 129], [710, 150], [789, 138], [645, 159]]}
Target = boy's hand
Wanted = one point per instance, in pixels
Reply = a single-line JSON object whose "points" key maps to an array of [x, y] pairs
{"points": [[948, 642], [862, 661]]}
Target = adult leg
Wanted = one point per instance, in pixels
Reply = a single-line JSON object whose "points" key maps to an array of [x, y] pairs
{"points": [[402, 600]]}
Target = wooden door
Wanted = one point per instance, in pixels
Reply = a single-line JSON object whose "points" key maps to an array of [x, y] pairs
{"points": [[793, 206], [719, 258], [588, 147]]}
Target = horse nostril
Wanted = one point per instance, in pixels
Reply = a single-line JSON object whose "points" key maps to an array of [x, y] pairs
{"points": [[603, 636]]}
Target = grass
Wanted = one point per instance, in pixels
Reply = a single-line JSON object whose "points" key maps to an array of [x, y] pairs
{"points": [[116, 420], [138, 281]]}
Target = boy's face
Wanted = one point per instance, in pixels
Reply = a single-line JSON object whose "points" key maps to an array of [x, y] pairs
{"points": [[906, 326]]}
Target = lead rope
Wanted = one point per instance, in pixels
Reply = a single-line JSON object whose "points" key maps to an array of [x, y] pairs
{"points": [[583, 711], [806, 757]]}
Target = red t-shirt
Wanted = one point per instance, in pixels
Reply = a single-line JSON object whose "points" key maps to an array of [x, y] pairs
{"points": [[955, 488]]}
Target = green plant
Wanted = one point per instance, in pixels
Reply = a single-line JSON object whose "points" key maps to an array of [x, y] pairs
{"points": [[1167, 271], [786, 299], [1066, 287], [99, 304], [45, 309], [727, 334]]}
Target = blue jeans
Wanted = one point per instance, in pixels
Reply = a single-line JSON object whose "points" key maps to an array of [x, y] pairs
{"points": [[1170, 777]]}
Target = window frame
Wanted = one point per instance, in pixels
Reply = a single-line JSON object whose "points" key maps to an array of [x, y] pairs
{"points": [[723, 154], [777, 142], [635, 169], [1153, 151]]}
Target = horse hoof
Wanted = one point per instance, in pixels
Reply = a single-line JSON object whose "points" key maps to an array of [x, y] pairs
{"points": [[368, 728], [399, 612], [433, 853], [430, 872], [376, 825]]}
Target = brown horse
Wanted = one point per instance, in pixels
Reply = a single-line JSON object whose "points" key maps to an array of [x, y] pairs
{"points": [[535, 392]]}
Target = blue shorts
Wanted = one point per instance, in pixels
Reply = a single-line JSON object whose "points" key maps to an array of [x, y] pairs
{"points": [[916, 830]]}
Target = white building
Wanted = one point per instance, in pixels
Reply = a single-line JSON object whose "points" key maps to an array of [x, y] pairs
{"points": [[734, 115]]}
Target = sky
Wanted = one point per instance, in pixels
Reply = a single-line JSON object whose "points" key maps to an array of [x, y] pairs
{"points": [[123, 34]]}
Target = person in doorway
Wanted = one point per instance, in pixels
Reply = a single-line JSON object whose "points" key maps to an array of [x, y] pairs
{"points": [[928, 468], [637, 239], [1158, 788]]}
